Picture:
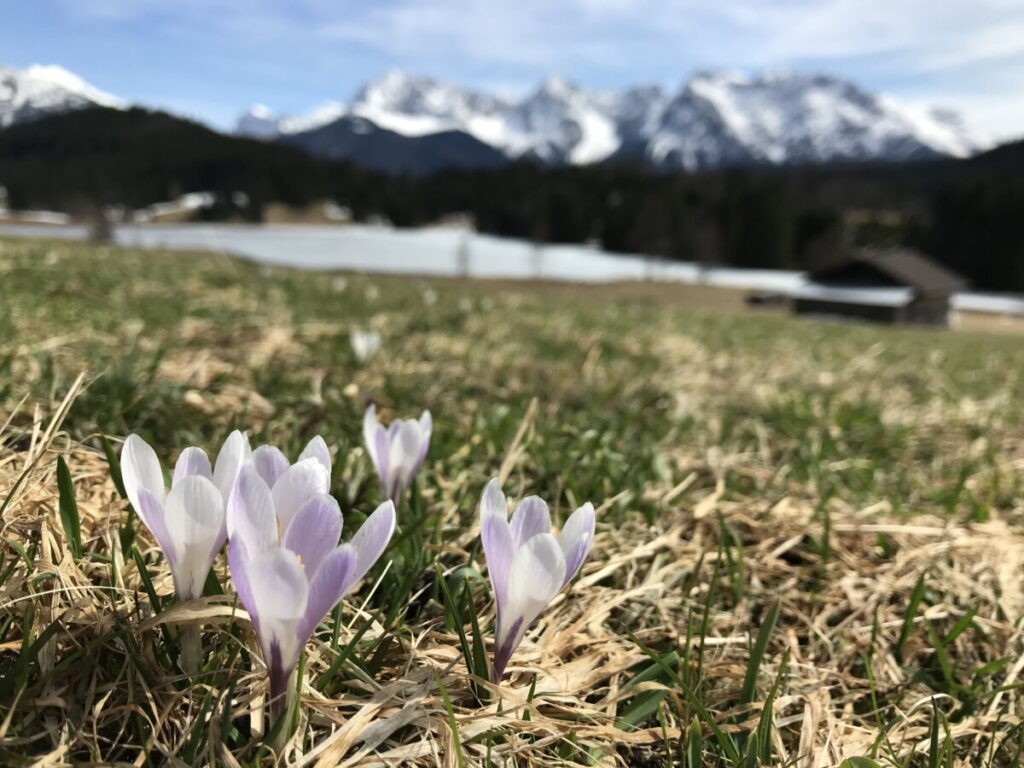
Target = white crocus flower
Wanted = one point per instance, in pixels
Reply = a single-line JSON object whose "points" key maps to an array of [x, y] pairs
{"points": [[187, 521], [365, 344], [397, 451], [527, 565]]}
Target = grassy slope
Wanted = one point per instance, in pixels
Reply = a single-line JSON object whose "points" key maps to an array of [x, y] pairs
{"points": [[740, 455]]}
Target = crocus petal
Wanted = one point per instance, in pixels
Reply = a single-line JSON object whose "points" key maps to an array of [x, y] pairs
{"points": [[426, 427], [493, 501], [192, 461], [238, 562], [314, 532], [317, 449], [535, 576], [194, 516], [296, 486], [270, 463], [151, 512], [233, 455], [372, 538], [370, 429], [576, 538], [406, 440], [329, 584], [496, 538], [530, 518], [280, 594], [383, 460], [250, 513], [140, 468]]}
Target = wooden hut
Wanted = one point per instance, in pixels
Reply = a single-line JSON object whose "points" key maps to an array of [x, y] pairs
{"points": [[894, 285]]}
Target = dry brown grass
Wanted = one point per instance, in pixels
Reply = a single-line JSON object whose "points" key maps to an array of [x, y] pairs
{"points": [[578, 659], [738, 461]]}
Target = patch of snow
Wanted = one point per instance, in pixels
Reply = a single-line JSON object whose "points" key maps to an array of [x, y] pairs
{"points": [[39, 90]]}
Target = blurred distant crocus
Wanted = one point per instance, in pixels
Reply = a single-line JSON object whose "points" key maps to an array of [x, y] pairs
{"points": [[188, 521], [289, 570], [527, 565], [365, 344], [397, 451]]}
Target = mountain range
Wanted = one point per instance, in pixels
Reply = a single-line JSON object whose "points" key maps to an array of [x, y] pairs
{"points": [[714, 120], [407, 123]]}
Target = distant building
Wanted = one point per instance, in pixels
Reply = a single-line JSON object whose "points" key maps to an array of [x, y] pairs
{"points": [[893, 285]]}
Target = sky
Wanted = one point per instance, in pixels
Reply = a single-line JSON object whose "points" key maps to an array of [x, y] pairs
{"points": [[211, 59]]}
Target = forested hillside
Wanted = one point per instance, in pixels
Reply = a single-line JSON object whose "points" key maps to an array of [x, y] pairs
{"points": [[969, 214]]}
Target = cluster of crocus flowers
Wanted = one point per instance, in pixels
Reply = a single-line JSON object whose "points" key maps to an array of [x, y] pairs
{"points": [[283, 530], [288, 568], [398, 450], [527, 565]]}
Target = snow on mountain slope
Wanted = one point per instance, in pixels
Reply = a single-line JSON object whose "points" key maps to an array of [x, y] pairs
{"points": [[39, 90], [260, 122], [728, 118], [561, 123], [715, 119]]}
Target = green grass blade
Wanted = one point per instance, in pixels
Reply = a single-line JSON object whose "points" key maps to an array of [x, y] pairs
{"points": [[908, 618], [748, 693], [69, 508]]}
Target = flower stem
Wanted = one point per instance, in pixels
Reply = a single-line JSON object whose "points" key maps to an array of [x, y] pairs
{"points": [[191, 649]]}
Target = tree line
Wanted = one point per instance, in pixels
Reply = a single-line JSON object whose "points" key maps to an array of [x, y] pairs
{"points": [[967, 214]]}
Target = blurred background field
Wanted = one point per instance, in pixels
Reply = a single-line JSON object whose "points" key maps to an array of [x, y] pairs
{"points": [[866, 479]]}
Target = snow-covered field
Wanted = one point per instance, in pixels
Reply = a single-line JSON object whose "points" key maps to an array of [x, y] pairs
{"points": [[444, 251]]}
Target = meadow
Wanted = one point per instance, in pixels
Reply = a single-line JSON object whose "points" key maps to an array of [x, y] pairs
{"points": [[809, 539]]}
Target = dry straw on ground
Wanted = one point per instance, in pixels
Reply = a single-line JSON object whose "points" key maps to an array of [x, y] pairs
{"points": [[577, 659]]}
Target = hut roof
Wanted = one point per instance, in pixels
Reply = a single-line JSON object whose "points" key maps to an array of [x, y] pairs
{"points": [[893, 267]]}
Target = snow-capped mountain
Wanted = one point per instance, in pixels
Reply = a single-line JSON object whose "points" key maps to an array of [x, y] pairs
{"points": [[714, 119], [724, 118], [26, 94]]}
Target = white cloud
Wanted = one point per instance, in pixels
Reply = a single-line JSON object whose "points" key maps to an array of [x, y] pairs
{"points": [[946, 51]]}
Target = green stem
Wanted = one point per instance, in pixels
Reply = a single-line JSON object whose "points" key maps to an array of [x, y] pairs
{"points": [[191, 649]]}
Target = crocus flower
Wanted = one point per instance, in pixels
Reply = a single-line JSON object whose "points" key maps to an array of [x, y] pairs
{"points": [[292, 484], [288, 568], [188, 521], [527, 565], [398, 451], [365, 344]]}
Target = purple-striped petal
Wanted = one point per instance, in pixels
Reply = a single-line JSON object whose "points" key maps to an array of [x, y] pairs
{"points": [[140, 468], [280, 594], [493, 501], [329, 584], [426, 428], [194, 517], [299, 483], [151, 512], [534, 578], [192, 461], [250, 513], [233, 455], [238, 563], [383, 462], [270, 463], [317, 449], [530, 518], [576, 538], [370, 430], [314, 532], [372, 538], [497, 543], [496, 537]]}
